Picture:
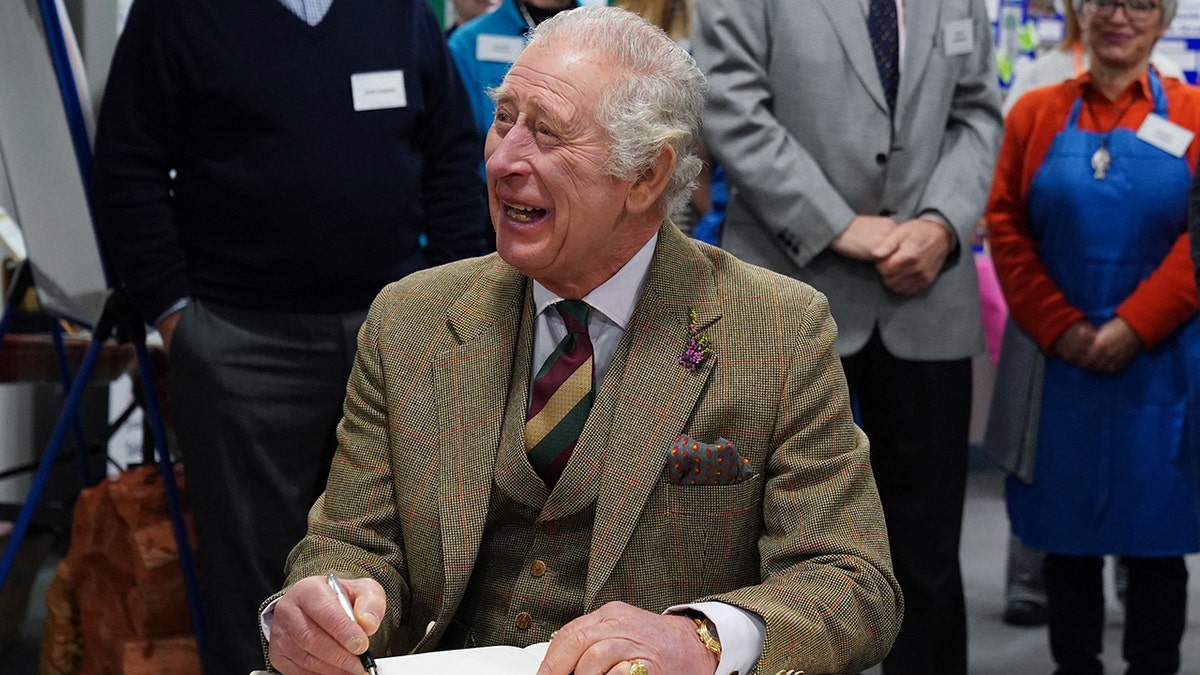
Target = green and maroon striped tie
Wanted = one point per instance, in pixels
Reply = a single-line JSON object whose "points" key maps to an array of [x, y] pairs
{"points": [[563, 392]]}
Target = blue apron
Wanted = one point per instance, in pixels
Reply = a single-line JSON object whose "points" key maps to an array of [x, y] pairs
{"points": [[1115, 473]]}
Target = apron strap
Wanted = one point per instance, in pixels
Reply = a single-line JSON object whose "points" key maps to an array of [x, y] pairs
{"points": [[1156, 92]]}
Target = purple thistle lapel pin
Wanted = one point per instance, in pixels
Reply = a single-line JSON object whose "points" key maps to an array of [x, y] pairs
{"points": [[699, 346]]}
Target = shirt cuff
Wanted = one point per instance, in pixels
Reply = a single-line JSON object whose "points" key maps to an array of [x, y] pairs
{"points": [[175, 307], [937, 217], [267, 618], [741, 634]]}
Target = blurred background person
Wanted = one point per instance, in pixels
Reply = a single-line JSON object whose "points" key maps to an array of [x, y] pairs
{"points": [[485, 48], [1024, 592], [1066, 60], [262, 169], [673, 16], [1087, 219], [465, 10], [859, 139]]}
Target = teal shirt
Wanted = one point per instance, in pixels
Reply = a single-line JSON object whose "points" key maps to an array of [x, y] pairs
{"points": [[479, 50]]}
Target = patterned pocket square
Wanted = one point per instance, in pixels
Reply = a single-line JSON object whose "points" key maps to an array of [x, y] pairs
{"points": [[691, 462]]}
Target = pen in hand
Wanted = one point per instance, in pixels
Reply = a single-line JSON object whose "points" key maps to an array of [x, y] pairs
{"points": [[368, 662]]}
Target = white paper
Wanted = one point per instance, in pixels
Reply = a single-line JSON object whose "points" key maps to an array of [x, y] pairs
{"points": [[10, 234], [499, 660]]}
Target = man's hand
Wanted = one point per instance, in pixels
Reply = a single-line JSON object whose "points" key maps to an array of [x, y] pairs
{"points": [[910, 258], [1075, 344], [311, 633], [1114, 346], [606, 641], [166, 328], [862, 237]]}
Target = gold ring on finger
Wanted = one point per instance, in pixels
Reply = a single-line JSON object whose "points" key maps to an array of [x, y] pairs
{"points": [[636, 667]]}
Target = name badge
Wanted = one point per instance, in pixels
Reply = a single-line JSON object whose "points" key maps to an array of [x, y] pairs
{"points": [[499, 48], [959, 37], [1165, 135], [379, 90]]}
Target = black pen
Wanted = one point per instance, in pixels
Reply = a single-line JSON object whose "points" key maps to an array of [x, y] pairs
{"points": [[368, 662]]}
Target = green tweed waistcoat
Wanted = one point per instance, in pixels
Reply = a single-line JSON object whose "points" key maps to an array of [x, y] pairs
{"points": [[533, 558]]}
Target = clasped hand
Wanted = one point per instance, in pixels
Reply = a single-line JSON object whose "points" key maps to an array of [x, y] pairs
{"points": [[1106, 349], [908, 256], [606, 642]]}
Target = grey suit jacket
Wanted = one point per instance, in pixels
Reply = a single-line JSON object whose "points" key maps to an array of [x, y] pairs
{"points": [[798, 118]]}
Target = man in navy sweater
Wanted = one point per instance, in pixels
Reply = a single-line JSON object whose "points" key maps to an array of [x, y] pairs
{"points": [[263, 168]]}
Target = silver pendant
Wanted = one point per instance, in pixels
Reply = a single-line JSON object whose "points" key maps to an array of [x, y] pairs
{"points": [[1101, 161]]}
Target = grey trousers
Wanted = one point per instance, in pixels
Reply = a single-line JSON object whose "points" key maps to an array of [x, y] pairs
{"points": [[255, 398]]}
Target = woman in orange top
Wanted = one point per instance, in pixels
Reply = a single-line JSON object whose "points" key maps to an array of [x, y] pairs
{"points": [[1087, 220]]}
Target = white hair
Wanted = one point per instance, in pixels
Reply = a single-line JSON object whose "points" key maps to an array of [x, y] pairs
{"points": [[655, 101]]}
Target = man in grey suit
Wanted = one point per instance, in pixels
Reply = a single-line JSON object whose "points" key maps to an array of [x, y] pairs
{"points": [[860, 139]]}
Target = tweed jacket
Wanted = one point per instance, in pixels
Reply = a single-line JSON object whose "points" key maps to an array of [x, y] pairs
{"points": [[797, 116], [802, 543]]}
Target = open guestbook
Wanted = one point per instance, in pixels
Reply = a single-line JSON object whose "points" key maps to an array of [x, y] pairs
{"points": [[498, 660]]}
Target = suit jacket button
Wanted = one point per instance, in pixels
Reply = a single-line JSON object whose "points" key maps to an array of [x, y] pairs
{"points": [[550, 527], [538, 568], [524, 621], [881, 159]]}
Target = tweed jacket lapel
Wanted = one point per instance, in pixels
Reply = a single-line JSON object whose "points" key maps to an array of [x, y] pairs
{"points": [[850, 24], [656, 395], [471, 400]]}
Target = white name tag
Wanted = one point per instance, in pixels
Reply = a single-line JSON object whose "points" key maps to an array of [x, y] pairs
{"points": [[10, 234], [959, 37], [1165, 135], [499, 48], [378, 90]]}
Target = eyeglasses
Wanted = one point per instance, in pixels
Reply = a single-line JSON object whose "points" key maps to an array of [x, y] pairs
{"points": [[1135, 10]]}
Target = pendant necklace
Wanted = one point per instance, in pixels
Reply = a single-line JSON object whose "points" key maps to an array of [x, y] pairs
{"points": [[1102, 159]]}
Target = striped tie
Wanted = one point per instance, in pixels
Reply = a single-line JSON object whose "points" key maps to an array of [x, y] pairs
{"points": [[563, 392]]}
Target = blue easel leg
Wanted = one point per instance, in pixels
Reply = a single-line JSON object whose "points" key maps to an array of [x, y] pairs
{"points": [[173, 502], [48, 459]]}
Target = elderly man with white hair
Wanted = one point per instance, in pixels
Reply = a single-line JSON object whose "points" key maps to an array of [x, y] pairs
{"points": [[606, 434]]}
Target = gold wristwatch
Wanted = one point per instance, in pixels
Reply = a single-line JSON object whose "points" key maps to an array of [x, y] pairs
{"points": [[707, 634]]}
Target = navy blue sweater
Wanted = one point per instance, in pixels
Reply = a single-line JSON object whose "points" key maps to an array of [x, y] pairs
{"points": [[284, 197]]}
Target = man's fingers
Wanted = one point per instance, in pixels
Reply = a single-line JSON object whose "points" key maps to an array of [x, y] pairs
{"points": [[330, 617], [888, 245], [369, 601], [297, 638], [592, 643], [626, 668]]}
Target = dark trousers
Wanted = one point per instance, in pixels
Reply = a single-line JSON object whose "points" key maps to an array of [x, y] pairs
{"points": [[917, 416], [1155, 614], [256, 397]]}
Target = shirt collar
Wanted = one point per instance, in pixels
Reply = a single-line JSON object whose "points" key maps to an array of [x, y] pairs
{"points": [[615, 298], [1139, 87]]}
